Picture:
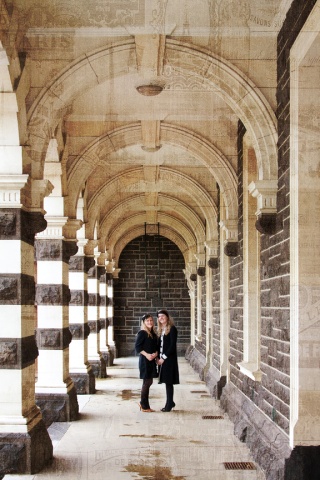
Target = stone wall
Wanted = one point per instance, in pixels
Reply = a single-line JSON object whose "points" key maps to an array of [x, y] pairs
{"points": [[139, 290], [251, 403]]}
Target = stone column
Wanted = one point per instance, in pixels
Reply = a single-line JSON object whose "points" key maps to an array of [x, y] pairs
{"points": [[95, 358], [55, 391], [112, 278], [104, 321], [24, 441], [80, 369]]}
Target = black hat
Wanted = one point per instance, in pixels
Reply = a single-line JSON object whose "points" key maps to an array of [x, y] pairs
{"points": [[164, 311]]}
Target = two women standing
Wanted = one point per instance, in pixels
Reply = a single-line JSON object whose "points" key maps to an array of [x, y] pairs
{"points": [[161, 351]]}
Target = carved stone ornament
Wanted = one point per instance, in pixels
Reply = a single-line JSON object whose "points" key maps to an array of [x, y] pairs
{"points": [[193, 277], [201, 271], [267, 223], [231, 249], [213, 263]]}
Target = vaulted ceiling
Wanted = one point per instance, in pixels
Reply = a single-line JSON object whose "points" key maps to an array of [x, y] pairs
{"points": [[157, 154]]}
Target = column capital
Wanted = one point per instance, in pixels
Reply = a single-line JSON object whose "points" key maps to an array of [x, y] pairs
{"points": [[10, 190], [265, 191], [54, 228], [71, 227], [231, 242]]}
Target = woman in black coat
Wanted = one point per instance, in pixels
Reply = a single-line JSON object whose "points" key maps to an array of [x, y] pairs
{"points": [[146, 346], [168, 360]]}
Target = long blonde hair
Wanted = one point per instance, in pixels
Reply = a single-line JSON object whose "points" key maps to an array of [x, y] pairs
{"points": [[151, 332], [169, 322]]}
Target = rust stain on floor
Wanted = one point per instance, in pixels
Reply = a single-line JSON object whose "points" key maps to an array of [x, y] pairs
{"points": [[153, 472], [128, 394]]}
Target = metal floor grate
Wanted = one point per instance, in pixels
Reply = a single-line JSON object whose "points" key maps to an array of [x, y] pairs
{"points": [[212, 417], [198, 391], [239, 466]]}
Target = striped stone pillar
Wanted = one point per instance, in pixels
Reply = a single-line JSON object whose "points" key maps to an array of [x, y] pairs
{"points": [[104, 322], [25, 445], [113, 275], [55, 391], [80, 369], [95, 358]]}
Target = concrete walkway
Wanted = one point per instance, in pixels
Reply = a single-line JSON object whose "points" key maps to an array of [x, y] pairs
{"points": [[113, 440]]}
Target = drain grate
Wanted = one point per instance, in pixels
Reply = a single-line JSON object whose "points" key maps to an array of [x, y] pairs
{"points": [[212, 417], [239, 466], [198, 391]]}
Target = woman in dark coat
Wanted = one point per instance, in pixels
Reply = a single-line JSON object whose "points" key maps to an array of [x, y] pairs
{"points": [[146, 347], [168, 360]]}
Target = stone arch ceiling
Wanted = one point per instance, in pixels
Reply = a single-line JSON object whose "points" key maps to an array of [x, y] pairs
{"points": [[85, 64]]}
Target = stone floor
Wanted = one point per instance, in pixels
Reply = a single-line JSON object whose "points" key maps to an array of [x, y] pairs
{"points": [[113, 440]]}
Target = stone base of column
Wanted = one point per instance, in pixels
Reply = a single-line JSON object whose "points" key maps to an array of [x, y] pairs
{"points": [[58, 407], [113, 354], [25, 453], [85, 383], [99, 367], [215, 382], [197, 362], [106, 357]]}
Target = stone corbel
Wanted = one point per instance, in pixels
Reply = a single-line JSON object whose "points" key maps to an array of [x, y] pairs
{"points": [[71, 227], [201, 260], [110, 266], [191, 272], [116, 272], [231, 248], [212, 252], [89, 248], [34, 192], [265, 191]]}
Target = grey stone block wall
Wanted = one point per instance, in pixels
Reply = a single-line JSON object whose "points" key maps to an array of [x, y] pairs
{"points": [[134, 296]]}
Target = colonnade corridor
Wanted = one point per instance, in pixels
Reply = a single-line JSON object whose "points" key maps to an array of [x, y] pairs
{"points": [[114, 440]]}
